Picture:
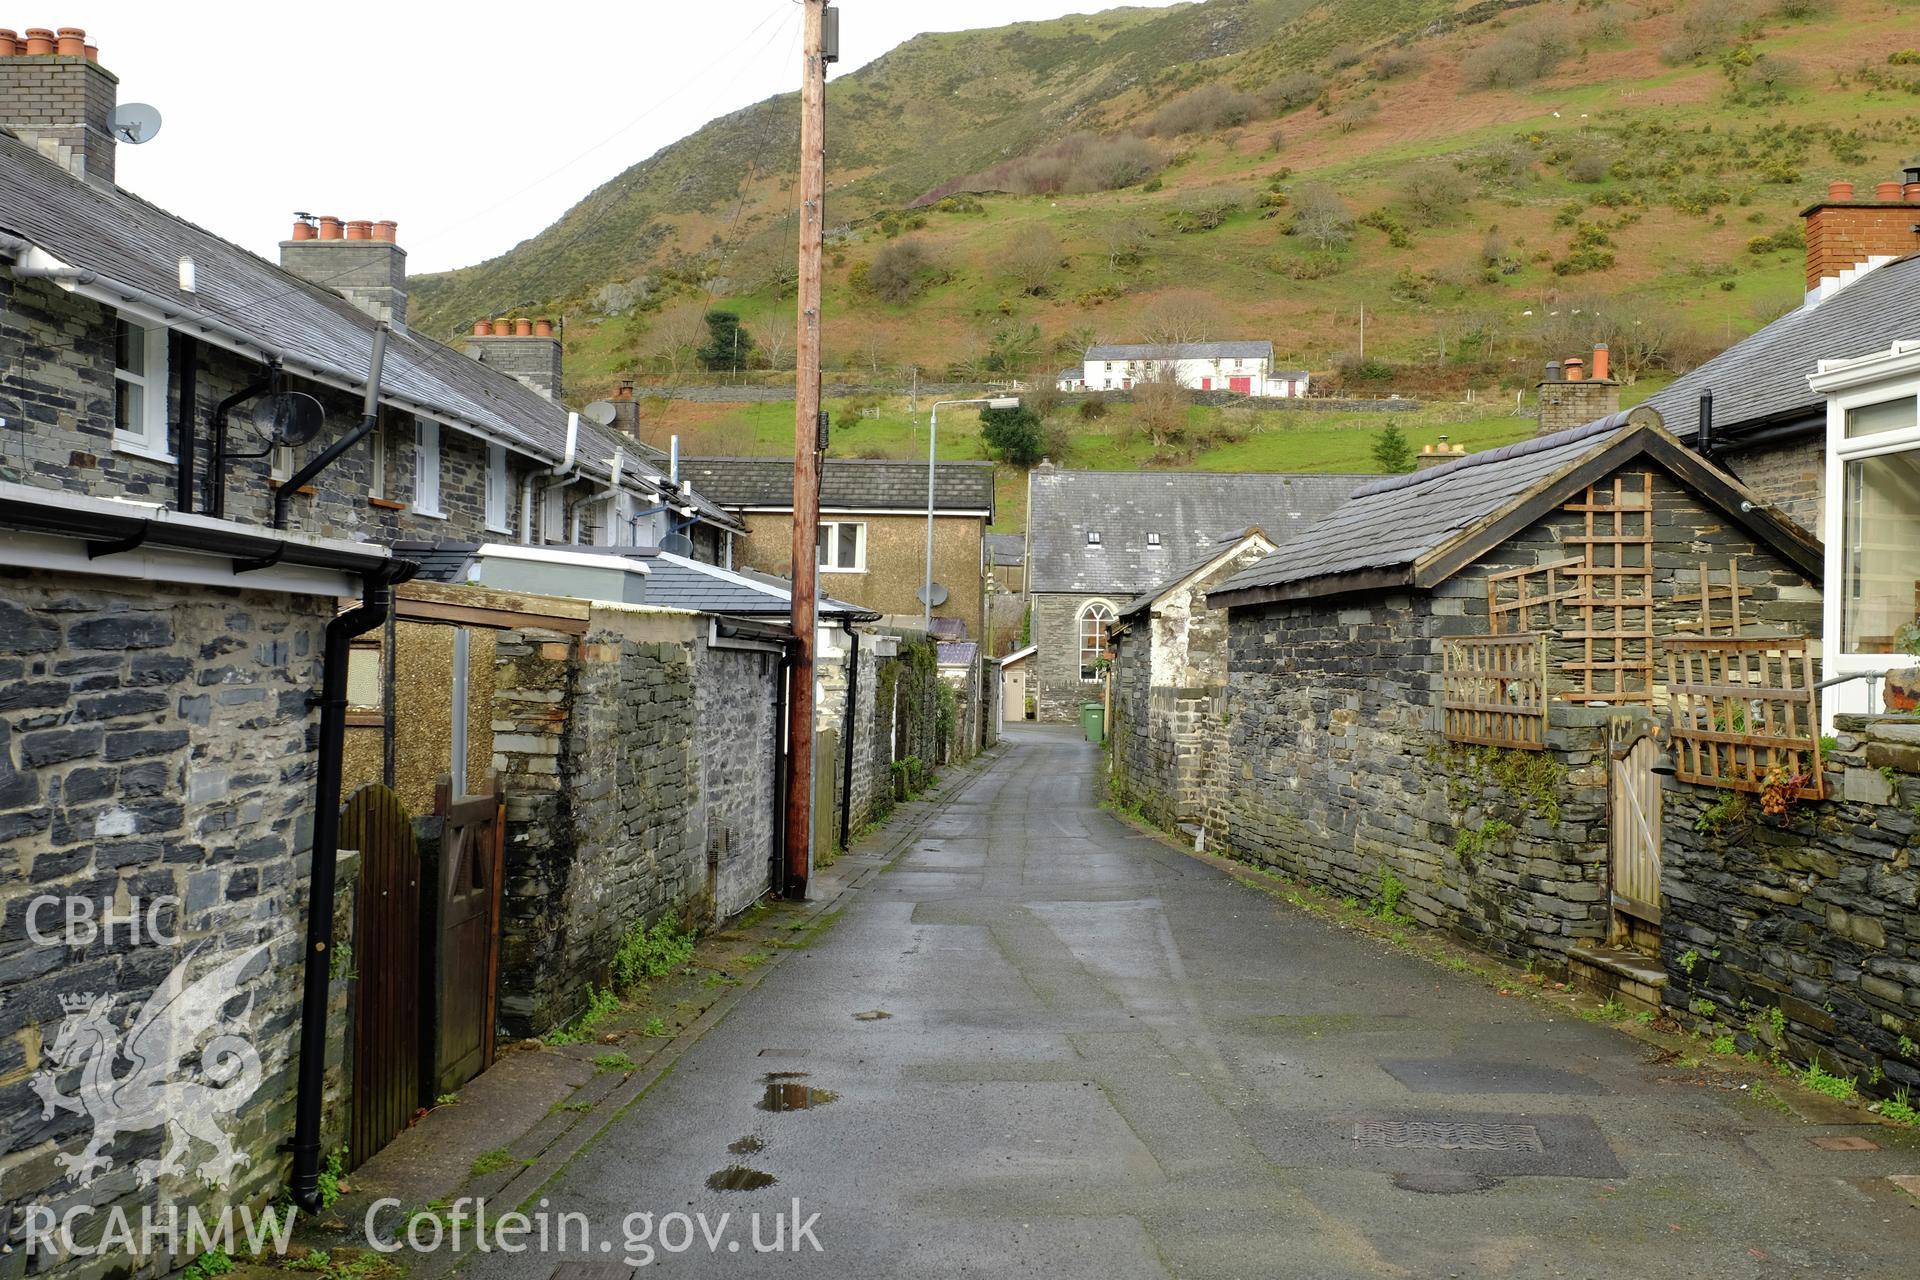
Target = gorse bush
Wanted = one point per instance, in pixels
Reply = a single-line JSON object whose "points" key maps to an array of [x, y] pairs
{"points": [[1210, 107], [1293, 90], [1078, 163]]}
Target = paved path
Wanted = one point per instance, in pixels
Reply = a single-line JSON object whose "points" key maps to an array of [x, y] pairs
{"points": [[1105, 1059]]}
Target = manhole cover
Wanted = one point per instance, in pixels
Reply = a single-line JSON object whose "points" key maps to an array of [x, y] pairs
{"points": [[1441, 1183], [1848, 1143], [1434, 1135]]}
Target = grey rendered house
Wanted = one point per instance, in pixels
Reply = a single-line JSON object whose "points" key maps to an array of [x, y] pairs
{"points": [[1096, 539]]}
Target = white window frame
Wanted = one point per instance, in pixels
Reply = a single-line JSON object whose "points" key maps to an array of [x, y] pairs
{"points": [[1153, 539], [499, 515], [1080, 637], [1849, 385], [553, 514], [829, 543], [426, 469], [377, 460], [148, 437]]}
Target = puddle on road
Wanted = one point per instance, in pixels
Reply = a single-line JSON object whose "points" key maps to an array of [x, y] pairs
{"points": [[737, 1177], [747, 1146], [784, 1092]]}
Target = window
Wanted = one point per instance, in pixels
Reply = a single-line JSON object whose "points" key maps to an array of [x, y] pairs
{"points": [[426, 469], [1153, 539], [1093, 538], [1880, 534], [497, 484], [140, 389], [377, 461], [842, 546], [1095, 621]]}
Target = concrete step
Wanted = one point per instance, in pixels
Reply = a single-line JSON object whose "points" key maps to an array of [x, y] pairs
{"points": [[1634, 979]]}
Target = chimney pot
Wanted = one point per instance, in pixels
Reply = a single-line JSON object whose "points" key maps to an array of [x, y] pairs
{"points": [[9, 42], [543, 328], [1912, 192], [522, 327], [1576, 369], [302, 229], [1887, 192], [387, 230], [93, 52], [39, 42], [1601, 359], [483, 328], [1553, 371], [359, 229], [329, 227], [72, 43], [1839, 191]]}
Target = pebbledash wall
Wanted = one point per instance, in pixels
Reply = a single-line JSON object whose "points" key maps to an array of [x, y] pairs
{"points": [[1800, 935], [1336, 770], [156, 752], [617, 787]]}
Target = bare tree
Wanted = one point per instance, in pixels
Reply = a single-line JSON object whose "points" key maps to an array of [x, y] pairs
{"points": [[675, 334], [1320, 217], [1180, 316], [1161, 403], [1355, 113], [1125, 240], [1032, 258], [776, 340]]}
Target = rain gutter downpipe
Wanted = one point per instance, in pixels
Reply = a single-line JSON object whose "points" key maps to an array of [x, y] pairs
{"points": [[369, 419], [376, 601], [562, 475]]}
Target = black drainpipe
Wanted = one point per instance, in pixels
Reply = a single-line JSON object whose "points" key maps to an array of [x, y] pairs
{"points": [[1703, 437], [186, 358], [846, 732], [369, 419], [215, 504], [376, 599]]}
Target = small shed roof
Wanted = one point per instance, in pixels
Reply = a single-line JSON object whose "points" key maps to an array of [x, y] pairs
{"points": [[1007, 548], [1419, 529], [958, 653]]}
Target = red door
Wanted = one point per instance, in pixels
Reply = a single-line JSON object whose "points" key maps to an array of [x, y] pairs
{"points": [[1206, 384], [1241, 386]]}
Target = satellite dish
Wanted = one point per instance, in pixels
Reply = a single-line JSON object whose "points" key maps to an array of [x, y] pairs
{"points": [[134, 123], [600, 411], [290, 418], [677, 544], [938, 596]]}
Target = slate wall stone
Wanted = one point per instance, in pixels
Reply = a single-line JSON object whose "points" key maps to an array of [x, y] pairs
{"points": [[1057, 687], [156, 742], [737, 732], [1801, 935]]}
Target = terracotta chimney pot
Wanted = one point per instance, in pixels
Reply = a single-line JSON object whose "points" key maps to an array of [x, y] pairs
{"points": [[483, 328], [1912, 192], [302, 229], [329, 227], [359, 229], [543, 328], [93, 53], [1575, 369], [39, 42], [1887, 192], [9, 42], [1601, 358], [386, 230], [72, 43], [522, 327], [1840, 191]]}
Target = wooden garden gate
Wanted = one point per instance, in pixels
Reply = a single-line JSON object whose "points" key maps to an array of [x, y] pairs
{"points": [[386, 962], [1634, 842], [466, 961]]}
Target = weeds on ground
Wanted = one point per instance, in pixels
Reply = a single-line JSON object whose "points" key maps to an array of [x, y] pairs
{"points": [[651, 953], [1841, 1087], [602, 1004], [615, 1062], [494, 1161], [577, 1108], [214, 1262], [1899, 1109], [655, 1027]]}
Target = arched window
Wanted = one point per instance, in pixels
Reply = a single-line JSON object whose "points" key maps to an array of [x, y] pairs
{"points": [[1095, 619]]}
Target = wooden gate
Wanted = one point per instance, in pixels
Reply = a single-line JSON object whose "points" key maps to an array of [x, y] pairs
{"points": [[1634, 839], [466, 963], [386, 961]]}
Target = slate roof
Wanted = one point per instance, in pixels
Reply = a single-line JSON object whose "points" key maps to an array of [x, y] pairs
{"points": [[1762, 379], [957, 653], [252, 305], [1182, 351], [1182, 573], [1007, 548], [1192, 511], [438, 561], [1395, 521], [846, 484]]}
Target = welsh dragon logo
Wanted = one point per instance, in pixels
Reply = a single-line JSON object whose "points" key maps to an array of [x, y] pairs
{"points": [[149, 1096]]}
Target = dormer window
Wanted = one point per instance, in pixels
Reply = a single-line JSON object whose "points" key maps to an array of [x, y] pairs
{"points": [[1093, 539], [1153, 539]]}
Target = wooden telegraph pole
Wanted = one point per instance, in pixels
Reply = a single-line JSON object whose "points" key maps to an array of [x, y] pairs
{"points": [[808, 444]]}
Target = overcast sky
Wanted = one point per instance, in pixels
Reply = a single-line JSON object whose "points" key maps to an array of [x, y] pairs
{"points": [[474, 125]]}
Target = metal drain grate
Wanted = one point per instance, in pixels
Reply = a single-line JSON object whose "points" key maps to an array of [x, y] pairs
{"points": [[1434, 1135]]}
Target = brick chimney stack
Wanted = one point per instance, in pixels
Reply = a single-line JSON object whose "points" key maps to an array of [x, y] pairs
{"points": [[1846, 235], [525, 348], [361, 261], [1570, 398], [1438, 455], [57, 98]]}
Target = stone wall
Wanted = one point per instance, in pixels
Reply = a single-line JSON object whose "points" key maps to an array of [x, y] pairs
{"points": [[737, 732], [1800, 935], [1056, 685], [1792, 476], [156, 756]]}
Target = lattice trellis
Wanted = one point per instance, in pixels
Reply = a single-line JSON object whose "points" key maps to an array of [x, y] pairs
{"points": [[1494, 690], [1615, 599], [1529, 599], [1719, 607], [1743, 708]]}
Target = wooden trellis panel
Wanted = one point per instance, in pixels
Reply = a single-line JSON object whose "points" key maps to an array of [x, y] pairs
{"points": [[1719, 609], [1536, 587], [1494, 690], [1743, 708], [1615, 600]]}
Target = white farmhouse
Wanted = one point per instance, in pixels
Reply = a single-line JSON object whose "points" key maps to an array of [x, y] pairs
{"points": [[1242, 367]]}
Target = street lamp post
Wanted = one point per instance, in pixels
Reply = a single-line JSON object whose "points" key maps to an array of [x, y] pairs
{"points": [[933, 440]]}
